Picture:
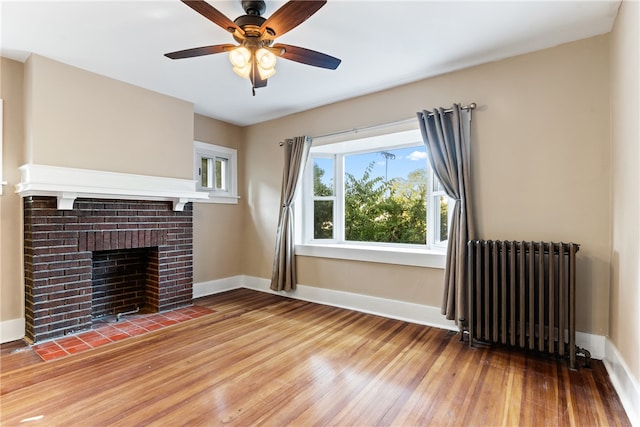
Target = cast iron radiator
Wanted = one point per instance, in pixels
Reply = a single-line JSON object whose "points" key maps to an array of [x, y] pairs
{"points": [[523, 294]]}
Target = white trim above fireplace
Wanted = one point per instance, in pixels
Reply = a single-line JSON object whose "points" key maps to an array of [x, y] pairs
{"points": [[67, 184]]}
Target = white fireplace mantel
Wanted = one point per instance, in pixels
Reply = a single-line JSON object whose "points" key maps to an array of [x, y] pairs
{"points": [[67, 184]]}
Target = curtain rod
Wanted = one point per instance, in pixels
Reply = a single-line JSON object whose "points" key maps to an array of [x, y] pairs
{"points": [[469, 107]]}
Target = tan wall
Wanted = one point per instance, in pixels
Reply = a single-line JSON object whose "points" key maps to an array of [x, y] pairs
{"points": [[540, 168], [360, 277], [11, 276], [624, 329], [79, 119], [217, 237], [541, 162]]}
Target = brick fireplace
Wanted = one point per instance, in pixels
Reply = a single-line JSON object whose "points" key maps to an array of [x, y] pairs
{"points": [[100, 243], [101, 257]]}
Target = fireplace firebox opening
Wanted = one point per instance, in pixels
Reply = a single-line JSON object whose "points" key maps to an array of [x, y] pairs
{"points": [[119, 281]]}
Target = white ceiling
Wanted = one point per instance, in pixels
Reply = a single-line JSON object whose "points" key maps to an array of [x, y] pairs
{"points": [[382, 44]]}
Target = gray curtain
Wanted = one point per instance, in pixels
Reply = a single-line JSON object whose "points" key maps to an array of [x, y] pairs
{"points": [[443, 132], [296, 152]]}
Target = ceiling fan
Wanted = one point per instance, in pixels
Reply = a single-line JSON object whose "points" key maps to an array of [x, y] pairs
{"points": [[255, 55]]}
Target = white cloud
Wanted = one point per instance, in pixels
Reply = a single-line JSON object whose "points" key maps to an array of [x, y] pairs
{"points": [[417, 155]]}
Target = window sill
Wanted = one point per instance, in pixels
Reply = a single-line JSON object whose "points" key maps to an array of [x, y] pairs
{"points": [[226, 200], [401, 256]]}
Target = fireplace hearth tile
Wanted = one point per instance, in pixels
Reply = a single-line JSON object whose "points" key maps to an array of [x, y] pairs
{"points": [[107, 331], [50, 350], [73, 344]]}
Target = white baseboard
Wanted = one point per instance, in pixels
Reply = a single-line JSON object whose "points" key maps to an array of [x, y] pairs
{"points": [[595, 344], [12, 330], [211, 287], [625, 384], [393, 309]]}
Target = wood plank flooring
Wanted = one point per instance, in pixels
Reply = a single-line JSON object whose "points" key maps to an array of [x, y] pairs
{"points": [[262, 359]]}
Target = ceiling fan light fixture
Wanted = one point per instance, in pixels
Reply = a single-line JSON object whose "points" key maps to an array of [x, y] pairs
{"points": [[266, 58], [266, 63], [265, 73], [240, 57], [243, 72]]}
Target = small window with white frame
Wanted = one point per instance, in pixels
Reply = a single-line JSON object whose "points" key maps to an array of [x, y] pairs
{"points": [[375, 192], [215, 172]]}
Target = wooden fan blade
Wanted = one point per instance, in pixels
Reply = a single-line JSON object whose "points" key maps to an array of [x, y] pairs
{"points": [[290, 15], [199, 51], [307, 56], [213, 15]]}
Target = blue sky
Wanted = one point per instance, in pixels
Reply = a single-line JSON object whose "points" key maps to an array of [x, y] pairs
{"points": [[406, 160]]}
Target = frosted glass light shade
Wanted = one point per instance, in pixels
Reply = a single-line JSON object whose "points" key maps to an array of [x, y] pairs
{"points": [[244, 72], [266, 59], [240, 57], [264, 73]]}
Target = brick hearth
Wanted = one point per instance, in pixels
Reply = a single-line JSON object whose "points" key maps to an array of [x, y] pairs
{"points": [[59, 247]]}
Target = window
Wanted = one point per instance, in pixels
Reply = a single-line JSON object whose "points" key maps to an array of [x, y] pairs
{"points": [[215, 171], [375, 192]]}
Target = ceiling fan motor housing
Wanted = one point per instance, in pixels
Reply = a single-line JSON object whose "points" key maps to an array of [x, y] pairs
{"points": [[253, 7], [251, 23]]}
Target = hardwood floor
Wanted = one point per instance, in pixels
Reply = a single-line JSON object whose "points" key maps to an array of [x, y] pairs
{"points": [[261, 359]]}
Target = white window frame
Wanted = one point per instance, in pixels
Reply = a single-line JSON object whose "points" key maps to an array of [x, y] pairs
{"points": [[433, 215], [428, 255], [337, 202], [230, 155]]}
